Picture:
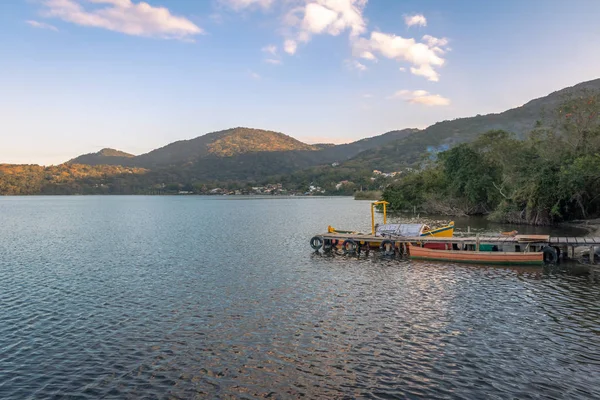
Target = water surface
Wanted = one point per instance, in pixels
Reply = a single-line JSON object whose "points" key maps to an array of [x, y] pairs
{"points": [[195, 297]]}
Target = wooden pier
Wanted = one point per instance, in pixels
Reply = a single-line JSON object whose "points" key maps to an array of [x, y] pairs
{"points": [[537, 239], [565, 246]]}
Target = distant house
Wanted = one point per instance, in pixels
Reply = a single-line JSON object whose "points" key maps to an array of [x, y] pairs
{"points": [[216, 191], [335, 164], [314, 189]]}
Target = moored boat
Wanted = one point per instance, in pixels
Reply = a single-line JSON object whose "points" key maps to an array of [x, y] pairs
{"points": [[390, 231], [477, 257]]}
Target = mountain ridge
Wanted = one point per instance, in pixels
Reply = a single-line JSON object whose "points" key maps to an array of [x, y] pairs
{"points": [[248, 154], [519, 120]]}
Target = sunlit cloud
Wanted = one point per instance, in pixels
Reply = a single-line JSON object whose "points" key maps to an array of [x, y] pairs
{"points": [[303, 20], [417, 19], [422, 56], [239, 5], [290, 46], [124, 16], [41, 25], [354, 64], [420, 97], [325, 17], [271, 49]]}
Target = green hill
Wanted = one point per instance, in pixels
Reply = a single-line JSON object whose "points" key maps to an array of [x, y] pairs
{"points": [[410, 149], [239, 154], [104, 156]]}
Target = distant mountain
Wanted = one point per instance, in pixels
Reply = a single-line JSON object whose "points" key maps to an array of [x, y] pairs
{"points": [[226, 143], [104, 156], [345, 151], [240, 153], [409, 149]]}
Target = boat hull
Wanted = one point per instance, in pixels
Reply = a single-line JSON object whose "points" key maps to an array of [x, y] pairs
{"points": [[444, 231], [477, 257]]}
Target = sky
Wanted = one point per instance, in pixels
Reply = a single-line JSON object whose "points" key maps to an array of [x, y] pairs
{"points": [[80, 75]]}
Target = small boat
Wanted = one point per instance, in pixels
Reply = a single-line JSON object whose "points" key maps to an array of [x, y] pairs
{"points": [[389, 231], [477, 257], [522, 250]]}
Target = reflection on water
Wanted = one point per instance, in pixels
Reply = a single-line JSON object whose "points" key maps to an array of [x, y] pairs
{"points": [[191, 297]]}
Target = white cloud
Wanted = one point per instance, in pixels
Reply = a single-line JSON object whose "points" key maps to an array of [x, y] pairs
{"points": [[427, 71], [420, 55], [367, 95], [239, 5], [402, 69], [431, 100], [254, 75], [331, 17], [367, 55], [304, 19], [125, 16], [41, 25], [417, 19], [435, 42], [271, 49], [421, 97], [354, 64], [290, 46]]}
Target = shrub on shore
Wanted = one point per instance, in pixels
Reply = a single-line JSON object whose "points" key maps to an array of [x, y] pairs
{"points": [[368, 195]]}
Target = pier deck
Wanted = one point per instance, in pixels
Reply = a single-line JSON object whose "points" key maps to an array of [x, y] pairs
{"points": [[531, 239]]}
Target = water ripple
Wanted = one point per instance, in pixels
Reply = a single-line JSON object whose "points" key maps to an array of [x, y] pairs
{"points": [[173, 297]]}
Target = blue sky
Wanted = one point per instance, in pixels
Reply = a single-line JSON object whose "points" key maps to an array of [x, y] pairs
{"points": [[80, 75]]}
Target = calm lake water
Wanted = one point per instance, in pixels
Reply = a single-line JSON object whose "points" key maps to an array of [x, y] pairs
{"points": [[194, 297]]}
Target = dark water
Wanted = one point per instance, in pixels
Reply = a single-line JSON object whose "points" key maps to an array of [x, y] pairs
{"points": [[189, 297]]}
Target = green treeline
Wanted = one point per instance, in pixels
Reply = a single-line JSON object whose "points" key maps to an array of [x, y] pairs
{"points": [[70, 179], [553, 175]]}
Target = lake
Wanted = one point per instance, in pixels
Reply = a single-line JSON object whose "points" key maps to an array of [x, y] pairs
{"points": [[200, 297]]}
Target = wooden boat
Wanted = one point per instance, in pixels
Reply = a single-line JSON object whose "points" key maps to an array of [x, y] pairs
{"points": [[477, 257], [387, 231]]}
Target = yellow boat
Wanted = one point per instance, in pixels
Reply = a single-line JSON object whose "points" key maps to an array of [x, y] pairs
{"points": [[395, 230]]}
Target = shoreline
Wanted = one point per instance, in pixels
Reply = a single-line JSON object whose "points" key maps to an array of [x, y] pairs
{"points": [[592, 226]]}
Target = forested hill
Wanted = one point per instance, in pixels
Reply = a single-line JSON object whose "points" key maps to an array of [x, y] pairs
{"points": [[239, 154], [346, 151], [521, 120], [116, 157]]}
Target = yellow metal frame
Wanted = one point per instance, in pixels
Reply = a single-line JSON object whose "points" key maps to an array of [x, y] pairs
{"points": [[373, 205]]}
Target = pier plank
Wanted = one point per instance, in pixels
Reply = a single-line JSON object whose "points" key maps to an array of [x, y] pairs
{"points": [[531, 239]]}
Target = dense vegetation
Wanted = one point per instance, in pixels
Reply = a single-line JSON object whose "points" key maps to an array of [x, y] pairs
{"points": [[101, 157], [69, 179], [552, 175], [368, 195]]}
